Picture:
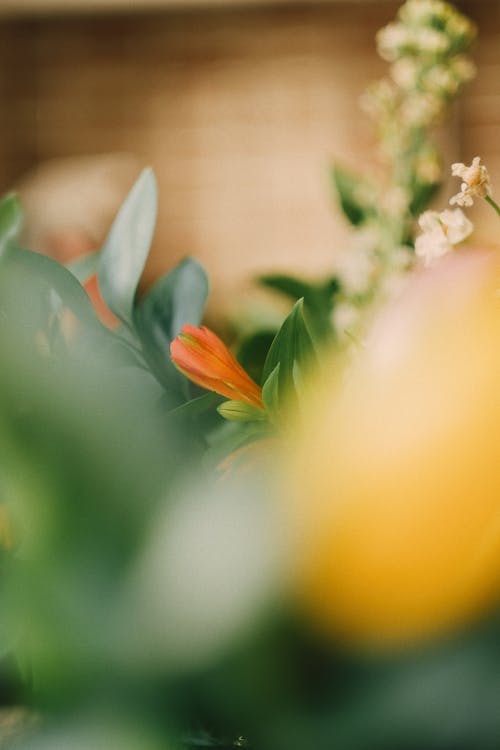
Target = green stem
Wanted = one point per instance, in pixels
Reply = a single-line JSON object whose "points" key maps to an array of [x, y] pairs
{"points": [[493, 204]]}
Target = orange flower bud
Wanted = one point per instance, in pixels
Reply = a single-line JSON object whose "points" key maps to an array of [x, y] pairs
{"points": [[203, 358]]}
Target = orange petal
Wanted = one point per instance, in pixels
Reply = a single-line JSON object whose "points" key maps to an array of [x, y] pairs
{"points": [[201, 355]]}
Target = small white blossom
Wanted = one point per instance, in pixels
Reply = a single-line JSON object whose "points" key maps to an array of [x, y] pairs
{"points": [[432, 41], [423, 11], [421, 109], [463, 68], [440, 232], [456, 224], [405, 72], [392, 39], [380, 99], [475, 182], [442, 79]]}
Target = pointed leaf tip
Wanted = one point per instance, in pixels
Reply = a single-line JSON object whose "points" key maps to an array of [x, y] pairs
{"points": [[127, 246]]}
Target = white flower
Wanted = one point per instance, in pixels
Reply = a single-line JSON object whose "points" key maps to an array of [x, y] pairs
{"points": [[421, 109], [406, 72], [456, 224], [475, 182], [440, 232], [441, 79], [392, 39], [433, 242], [432, 41], [463, 68], [380, 99], [423, 11]]}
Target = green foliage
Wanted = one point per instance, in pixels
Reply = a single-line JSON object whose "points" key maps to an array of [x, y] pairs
{"points": [[271, 394], [177, 298], [319, 299], [349, 188], [422, 195], [288, 360], [230, 436], [11, 218], [127, 247], [252, 352]]}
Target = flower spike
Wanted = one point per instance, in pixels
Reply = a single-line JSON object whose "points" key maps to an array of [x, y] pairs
{"points": [[203, 358]]}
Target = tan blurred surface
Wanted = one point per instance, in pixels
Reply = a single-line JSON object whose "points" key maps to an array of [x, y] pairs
{"points": [[239, 111], [15, 8]]}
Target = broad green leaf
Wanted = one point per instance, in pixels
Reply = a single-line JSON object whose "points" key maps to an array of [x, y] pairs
{"points": [[11, 218], [291, 349], [176, 299], [36, 295], [85, 267], [126, 249], [237, 411], [53, 282], [348, 189]]}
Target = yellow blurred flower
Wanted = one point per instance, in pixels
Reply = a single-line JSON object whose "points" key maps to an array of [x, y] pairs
{"points": [[396, 473]]}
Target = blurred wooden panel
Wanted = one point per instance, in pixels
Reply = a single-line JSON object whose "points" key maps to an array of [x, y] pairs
{"points": [[16, 8], [240, 112]]}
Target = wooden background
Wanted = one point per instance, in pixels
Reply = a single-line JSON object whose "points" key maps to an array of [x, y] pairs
{"points": [[240, 110]]}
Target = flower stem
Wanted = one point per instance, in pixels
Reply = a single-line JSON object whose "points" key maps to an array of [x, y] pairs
{"points": [[493, 204]]}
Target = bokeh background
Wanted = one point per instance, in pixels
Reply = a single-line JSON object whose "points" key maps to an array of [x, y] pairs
{"points": [[240, 106]]}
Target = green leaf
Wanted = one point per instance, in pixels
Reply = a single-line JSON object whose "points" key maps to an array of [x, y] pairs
{"points": [[318, 299], [348, 191], [84, 267], [270, 394], [53, 282], [252, 352], [422, 195], [11, 219], [287, 285], [177, 298], [292, 349], [126, 249], [237, 411], [196, 406], [231, 436]]}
